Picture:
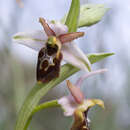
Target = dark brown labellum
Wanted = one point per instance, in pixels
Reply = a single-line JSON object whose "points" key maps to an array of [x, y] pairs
{"points": [[85, 125], [80, 121], [48, 66]]}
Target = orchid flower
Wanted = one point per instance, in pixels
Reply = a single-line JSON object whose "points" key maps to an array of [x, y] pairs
{"points": [[76, 105], [55, 33]]}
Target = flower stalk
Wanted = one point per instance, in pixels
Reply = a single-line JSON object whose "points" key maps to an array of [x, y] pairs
{"points": [[45, 105]]}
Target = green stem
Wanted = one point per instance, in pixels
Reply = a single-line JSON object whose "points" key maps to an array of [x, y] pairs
{"points": [[48, 104], [42, 106]]}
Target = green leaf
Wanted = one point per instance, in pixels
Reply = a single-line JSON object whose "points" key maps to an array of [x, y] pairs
{"points": [[95, 57], [90, 14], [39, 90], [73, 16]]}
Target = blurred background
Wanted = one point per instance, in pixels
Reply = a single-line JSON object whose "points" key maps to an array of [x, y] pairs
{"points": [[18, 63]]}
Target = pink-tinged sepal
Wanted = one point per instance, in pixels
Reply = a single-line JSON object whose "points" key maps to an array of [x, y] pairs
{"points": [[87, 75]]}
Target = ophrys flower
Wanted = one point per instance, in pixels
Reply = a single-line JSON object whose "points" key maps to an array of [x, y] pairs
{"points": [[76, 105], [53, 44]]}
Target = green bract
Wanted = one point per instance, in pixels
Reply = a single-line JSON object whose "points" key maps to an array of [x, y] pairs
{"points": [[90, 14], [95, 57], [73, 16]]}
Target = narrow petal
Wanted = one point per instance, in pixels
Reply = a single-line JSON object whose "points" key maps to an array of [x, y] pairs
{"points": [[68, 105], [46, 27], [75, 92], [82, 78], [70, 36], [73, 55], [35, 39], [58, 28]]}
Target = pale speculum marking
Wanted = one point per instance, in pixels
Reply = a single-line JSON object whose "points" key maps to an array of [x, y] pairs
{"points": [[45, 57]]}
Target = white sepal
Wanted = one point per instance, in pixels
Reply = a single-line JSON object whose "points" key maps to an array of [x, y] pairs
{"points": [[35, 39], [74, 55], [68, 105]]}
